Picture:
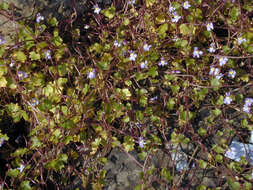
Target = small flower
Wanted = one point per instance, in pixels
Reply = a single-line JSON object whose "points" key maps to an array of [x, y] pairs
{"points": [[144, 65], [138, 124], [13, 62], [96, 9], [2, 40], [171, 9], [240, 40], [246, 109], [22, 75], [209, 26], [86, 26], [141, 142], [248, 101], [34, 102], [47, 54], [231, 73], [146, 47], [176, 17], [133, 56], [186, 5], [212, 48], [21, 168], [227, 99], [162, 62], [91, 74], [223, 61], [39, 18], [132, 2], [176, 72], [197, 53], [219, 76], [116, 44], [1, 142], [153, 99], [214, 71]]}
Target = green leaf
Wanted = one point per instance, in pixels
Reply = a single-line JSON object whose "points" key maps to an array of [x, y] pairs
{"points": [[19, 152], [4, 5], [202, 132], [3, 82], [234, 13], [53, 22], [216, 112], [126, 93], [220, 100], [153, 72], [13, 173], [160, 18], [184, 29], [175, 89], [19, 56], [162, 30], [165, 173], [34, 56], [171, 103], [219, 158], [143, 101], [202, 164], [69, 124], [149, 3], [215, 82], [201, 187], [25, 185], [35, 142], [126, 119], [110, 12]]}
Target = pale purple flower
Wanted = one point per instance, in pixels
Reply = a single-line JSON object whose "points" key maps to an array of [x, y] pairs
{"points": [[146, 47], [219, 76], [214, 71], [133, 56], [91, 74], [153, 99], [227, 99], [240, 40], [39, 18], [22, 75], [223, 61], [171, 9], [248, 101], [116, 43], [2, 40], [141, 142], [34, 102], [231, 73], [47, 54], [138, 124], [21, 168], [197, 53], [176, 72], [132, 2], [175, 18], [96, 9], [1, 142], [186, 5], [212, 48], [209, 26], [246, 109], [144, 65], [162, 62]]}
